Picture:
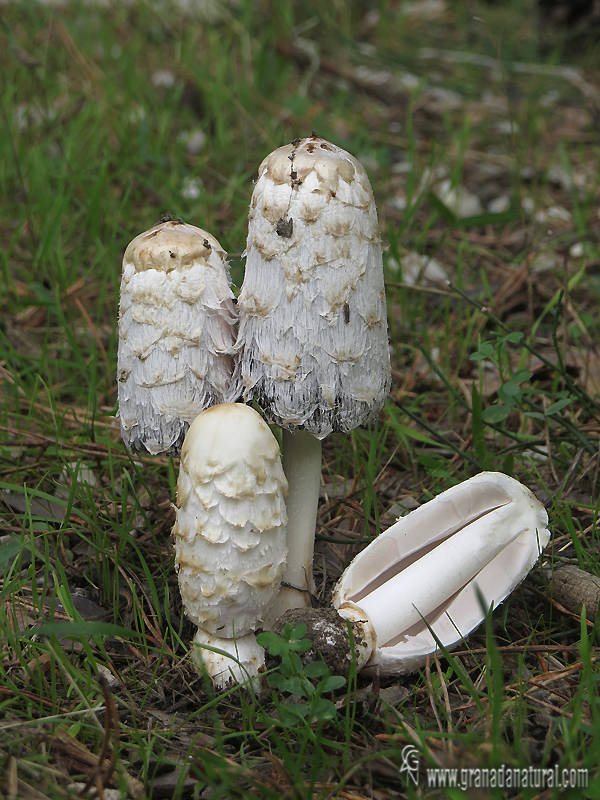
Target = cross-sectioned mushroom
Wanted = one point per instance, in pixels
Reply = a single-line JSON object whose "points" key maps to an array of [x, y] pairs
{"points": [[176, 335], [432, 568], [434, 573]]}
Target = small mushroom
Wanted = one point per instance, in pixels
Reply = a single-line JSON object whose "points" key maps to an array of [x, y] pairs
{"points": [[313, 346], [428, 575], [229, 532], [176, 335]]}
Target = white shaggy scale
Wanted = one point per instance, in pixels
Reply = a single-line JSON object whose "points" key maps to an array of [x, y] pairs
{"points": [[176, 335], [313, 328]]}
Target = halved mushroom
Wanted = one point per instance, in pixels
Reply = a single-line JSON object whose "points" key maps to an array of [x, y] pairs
{"points": [[433, 569]]}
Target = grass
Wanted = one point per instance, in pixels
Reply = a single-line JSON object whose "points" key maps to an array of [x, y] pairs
{"points": [[495, 369]]}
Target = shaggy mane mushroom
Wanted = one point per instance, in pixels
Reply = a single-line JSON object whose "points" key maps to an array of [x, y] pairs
{"points": [[176, 335], [313, 347]]}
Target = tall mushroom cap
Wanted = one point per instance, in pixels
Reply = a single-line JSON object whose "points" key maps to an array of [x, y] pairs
{"points": [[313, 327], [176, 335], [230, 526]]}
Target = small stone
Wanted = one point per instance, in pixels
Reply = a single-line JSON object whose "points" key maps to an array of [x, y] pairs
{"points": [[459, 200], [576, 250], [499, 204], [191, 189], [163, 79], [422, 270]]}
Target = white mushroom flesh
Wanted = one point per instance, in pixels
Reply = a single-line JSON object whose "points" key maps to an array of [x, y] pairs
{"points": [[230, 549], [313, 328], [176, 335], [476, 540]]}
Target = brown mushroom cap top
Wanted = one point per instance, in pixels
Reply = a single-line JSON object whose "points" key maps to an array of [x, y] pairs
{"points": [[171, 245], [302, 156]]}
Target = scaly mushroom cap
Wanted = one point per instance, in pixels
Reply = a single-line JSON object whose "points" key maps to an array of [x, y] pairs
{"points": [[230, 526], [313, 328], [176, 335]]}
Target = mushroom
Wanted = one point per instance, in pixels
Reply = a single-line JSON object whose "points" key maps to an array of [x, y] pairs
{"points": [[313, 347], [229, 533], [176, 334], [432, 575]]}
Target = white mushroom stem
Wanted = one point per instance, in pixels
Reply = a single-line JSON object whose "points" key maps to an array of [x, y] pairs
{"points": [[246, 662], [302, 467]]}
